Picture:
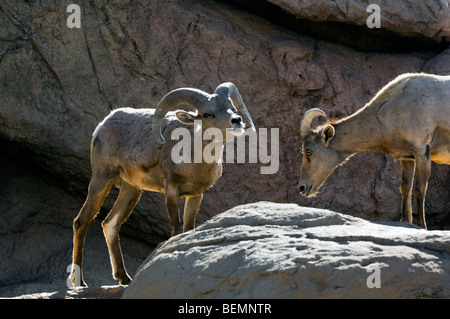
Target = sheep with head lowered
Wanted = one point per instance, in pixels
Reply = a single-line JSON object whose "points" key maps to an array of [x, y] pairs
{"points": [[129, 150], [409, 118]]}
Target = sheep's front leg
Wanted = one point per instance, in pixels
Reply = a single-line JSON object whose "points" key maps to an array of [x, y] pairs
{"points": [[191, 208], [408, 168], [172, 195]]}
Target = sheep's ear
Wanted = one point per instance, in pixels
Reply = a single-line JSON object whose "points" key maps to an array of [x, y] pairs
{"points": [[186, 117], [327, 133]]}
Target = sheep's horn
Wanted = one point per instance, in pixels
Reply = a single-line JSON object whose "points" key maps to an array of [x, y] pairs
{"points": [[192, 97], [305, 123], [230, 91]]}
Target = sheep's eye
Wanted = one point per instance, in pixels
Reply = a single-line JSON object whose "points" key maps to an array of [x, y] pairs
{"points": [[206, 115], [308, 153]]}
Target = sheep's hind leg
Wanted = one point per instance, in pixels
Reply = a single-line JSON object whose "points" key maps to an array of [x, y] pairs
{"points": [[423, 172], [126, 201], [408, 168], [172, 195], [191, 208], [98, 188]]}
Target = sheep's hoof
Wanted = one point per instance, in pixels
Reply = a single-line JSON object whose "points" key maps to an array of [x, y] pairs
{"points": [[176, 231], [125, 280]]}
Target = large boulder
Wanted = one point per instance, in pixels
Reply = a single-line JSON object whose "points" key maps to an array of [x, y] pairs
{"points": [[268, 250]]}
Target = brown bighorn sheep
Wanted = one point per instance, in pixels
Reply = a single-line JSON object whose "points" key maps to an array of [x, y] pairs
{"points": [[408, 118], [124, 152]]}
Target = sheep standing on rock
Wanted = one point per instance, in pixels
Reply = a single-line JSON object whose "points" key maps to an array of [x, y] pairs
{"points": [[409, 118], [125, 153]]}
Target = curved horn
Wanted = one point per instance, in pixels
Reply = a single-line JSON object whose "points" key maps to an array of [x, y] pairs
{"points": [[192, 97], [305, 123], [229, 90]]}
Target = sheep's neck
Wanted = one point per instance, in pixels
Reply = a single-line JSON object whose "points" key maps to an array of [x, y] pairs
{"points": [[357, 133]]}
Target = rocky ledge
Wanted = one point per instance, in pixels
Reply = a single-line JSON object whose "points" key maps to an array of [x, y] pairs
{"points": [[102, 292], [268, 250]]}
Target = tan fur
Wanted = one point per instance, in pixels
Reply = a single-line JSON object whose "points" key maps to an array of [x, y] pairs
{"points": [[125, 153], [408, 118]]}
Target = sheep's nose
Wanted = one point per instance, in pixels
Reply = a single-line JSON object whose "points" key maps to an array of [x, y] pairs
{"points": [[236, 120], [301, 188]]}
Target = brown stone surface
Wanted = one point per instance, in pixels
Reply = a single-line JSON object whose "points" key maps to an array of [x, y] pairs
{"points": [[430, 19]]}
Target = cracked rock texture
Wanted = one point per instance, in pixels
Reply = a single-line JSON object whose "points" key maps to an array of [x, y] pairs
{"points": [[57, 84], [269, 250], [425, 18]]}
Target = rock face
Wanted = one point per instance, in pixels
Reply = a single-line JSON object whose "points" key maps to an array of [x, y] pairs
{"points": [[267, 250], [429, 19], [36, 236], [57, 84]]}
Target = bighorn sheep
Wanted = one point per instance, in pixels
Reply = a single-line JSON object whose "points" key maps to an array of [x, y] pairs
{"points": [[408, 118], [124, 153]]}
